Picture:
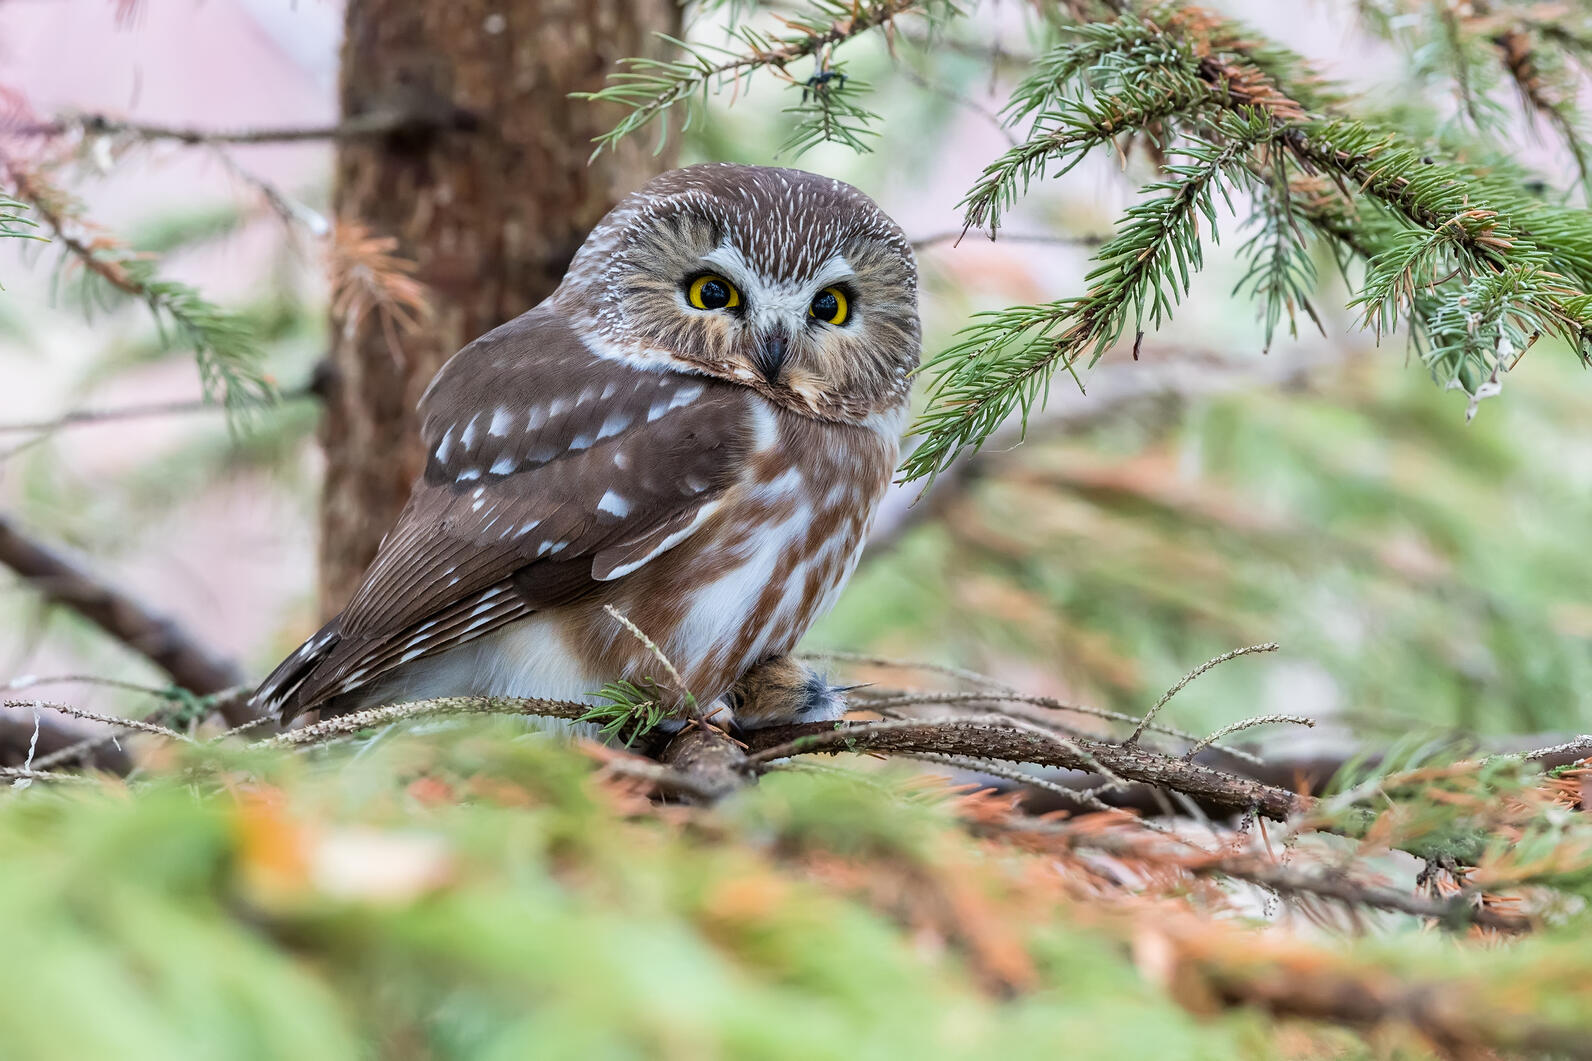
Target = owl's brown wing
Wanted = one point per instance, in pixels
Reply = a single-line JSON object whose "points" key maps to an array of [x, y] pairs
{"points": [[551, 472]]}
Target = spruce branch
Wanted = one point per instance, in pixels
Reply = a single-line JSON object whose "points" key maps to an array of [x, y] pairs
{"points": [[648, 89], [1474, 264], [1003, 361], [226, 348]]}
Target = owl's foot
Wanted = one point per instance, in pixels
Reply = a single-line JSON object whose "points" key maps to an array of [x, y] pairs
{"points": [[782, 690]]}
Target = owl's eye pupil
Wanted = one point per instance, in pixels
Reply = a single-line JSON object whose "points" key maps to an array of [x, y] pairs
{"points": [[829, 305], [712, 292]]}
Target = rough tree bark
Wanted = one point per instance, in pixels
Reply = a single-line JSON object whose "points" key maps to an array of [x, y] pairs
{"points": [[489, 193]]}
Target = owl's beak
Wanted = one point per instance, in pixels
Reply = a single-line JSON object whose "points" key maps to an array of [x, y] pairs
{"points": [[770, 353]]}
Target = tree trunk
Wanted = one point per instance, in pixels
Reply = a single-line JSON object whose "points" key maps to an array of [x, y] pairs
{"points": [[488, 192]]}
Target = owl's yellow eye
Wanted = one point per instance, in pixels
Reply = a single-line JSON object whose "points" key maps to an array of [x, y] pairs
{"points": [[829, 305], [712, 292]]}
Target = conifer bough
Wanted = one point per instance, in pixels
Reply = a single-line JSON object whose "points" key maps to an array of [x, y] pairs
{"points": [[1437, 230]]}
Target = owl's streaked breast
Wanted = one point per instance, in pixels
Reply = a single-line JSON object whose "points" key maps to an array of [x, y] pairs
{"points": [[772, 557]]}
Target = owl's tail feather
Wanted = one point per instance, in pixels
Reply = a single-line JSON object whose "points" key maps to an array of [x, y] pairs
{"points": [[278, 696]]}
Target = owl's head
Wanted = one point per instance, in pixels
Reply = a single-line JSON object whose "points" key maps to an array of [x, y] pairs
{"points": [[795, 285]]}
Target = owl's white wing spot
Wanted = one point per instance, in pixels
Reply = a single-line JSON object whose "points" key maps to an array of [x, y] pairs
{"points": [[580, 442], [445, 446], [615, 423], [664, 546], [614, 505], [501, 418], [469, 474], [526, 528], [467, 438], [503, 465], [686, 394], [535, 417], [621, 460], [557, 407]]}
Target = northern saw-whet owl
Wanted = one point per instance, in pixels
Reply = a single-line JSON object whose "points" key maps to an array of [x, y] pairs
{"points": [[695, 428]]}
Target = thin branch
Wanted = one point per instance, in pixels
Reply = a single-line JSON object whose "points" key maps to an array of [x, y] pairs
{"points": [[1149, 716], [344, 725], [1322, 883], [191, 663], [1002, 741], [955, 236], [376, 123], [141, 411], [41, 737], [94, 716]]}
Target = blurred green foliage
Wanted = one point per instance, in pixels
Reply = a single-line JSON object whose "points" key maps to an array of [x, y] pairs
{"points": [[471, 890]]}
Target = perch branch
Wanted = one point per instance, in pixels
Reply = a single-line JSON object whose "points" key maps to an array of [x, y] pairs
{"points": [[994, 740]]}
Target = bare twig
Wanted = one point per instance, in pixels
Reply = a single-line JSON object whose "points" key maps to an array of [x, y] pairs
{"points": [[93, 716], [353, 722], [40, 738], [1182, 683], [1317, 882], [376, 123], [1248, 723], [954, 236]]}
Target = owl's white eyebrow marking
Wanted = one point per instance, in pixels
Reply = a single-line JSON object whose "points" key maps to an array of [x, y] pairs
{"points": [[834, 270], [614, 505], [500, 423], [503, 465]]}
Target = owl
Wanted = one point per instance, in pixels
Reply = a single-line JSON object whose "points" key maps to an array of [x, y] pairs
{"points": [[693, 431]]}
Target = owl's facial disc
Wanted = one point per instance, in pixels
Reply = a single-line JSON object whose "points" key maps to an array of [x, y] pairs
{"points": [[779, 335], [794, 285]]}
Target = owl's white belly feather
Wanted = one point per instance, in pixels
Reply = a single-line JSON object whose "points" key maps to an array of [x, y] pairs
{"points": [[528, 658]]}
